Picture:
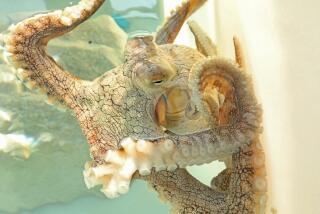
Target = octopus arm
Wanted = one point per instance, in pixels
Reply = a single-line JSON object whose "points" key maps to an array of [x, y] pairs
{"points": [[26, 45], [171, 27], [203, 41], [238, 52], [245, 193], [225, 92], [115, 172]]}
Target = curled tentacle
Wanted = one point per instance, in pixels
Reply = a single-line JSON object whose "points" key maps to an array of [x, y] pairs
{"points": [[171, 27], [227, 92], [27, 46]]}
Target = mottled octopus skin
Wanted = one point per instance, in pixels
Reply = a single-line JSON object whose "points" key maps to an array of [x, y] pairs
{"points": [[121, 104], [245, 193]]}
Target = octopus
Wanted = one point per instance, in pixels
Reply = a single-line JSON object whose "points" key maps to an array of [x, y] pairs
{"points": [[165, 108]]}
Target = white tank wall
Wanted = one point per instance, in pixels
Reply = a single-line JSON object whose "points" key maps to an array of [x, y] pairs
{"points": [[282, 45]]}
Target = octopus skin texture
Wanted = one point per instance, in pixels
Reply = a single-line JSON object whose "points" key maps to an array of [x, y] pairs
{"points": [[166, 107]]}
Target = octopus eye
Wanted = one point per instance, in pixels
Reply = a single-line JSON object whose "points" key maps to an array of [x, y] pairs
{"points": [[154, 74], [157, 82]]}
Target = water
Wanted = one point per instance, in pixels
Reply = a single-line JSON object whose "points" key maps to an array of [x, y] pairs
{"points": [[42, 174]]}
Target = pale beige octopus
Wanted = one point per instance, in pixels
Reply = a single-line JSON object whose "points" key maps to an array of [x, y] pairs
{"points": [[137, 116]]}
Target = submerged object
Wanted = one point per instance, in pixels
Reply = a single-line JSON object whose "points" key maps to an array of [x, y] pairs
{"points": [[119, 112], [16, 144]]}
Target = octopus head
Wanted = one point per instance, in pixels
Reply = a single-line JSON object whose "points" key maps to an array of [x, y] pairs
{"points": [[151, 70]]}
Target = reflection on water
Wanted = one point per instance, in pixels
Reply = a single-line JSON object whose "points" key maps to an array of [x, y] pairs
{"points": [[42, 149]]}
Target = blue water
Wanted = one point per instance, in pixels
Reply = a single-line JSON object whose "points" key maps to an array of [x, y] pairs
{"points": [[138, 200]]}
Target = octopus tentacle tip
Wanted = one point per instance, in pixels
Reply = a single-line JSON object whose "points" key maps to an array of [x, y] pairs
{"points": [[109, 193], [129, 167], [123, 187], [113, 157]]}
